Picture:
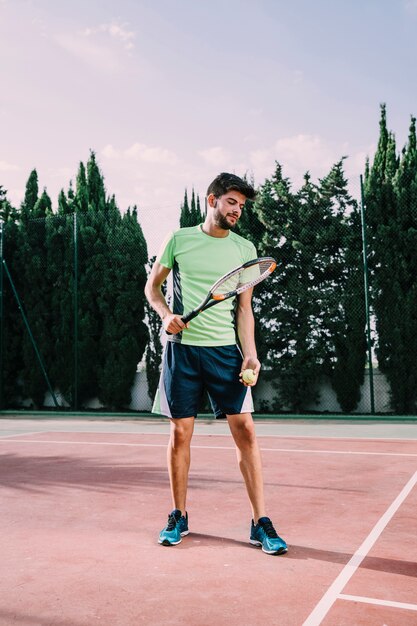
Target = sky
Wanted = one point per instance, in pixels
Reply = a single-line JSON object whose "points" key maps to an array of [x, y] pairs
{"points": [[168, 93]]}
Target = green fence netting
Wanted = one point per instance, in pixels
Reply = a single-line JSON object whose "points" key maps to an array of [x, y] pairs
{"points": [[335, 334]]}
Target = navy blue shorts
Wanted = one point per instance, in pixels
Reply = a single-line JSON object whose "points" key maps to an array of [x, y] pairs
{"points": [[189, 370]]}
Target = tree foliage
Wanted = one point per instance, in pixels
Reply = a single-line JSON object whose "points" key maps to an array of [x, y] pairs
{"points": [[391, 209], [111, 254], [11, 322], [86, 261], [190, 214], [310, 308]]}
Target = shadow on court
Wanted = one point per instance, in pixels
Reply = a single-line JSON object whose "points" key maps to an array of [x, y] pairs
{"points": [[34, 473], [215, 540], [392, 566], [15, 617], [404, 568]]}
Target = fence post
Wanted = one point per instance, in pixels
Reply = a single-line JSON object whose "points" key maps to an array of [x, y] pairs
{"points": [[1, 315], [32, 339], [75, 310], [366, 288]]}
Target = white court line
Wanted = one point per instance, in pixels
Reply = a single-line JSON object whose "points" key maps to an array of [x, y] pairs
{"points": [[335, 589], [322, 436], [163, 445], [395, 605], [215, 434], [35, 432], [109, 443]]}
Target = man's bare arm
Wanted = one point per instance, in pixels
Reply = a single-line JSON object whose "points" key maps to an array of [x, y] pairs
{"points": [[159, 273], [246, 333]]}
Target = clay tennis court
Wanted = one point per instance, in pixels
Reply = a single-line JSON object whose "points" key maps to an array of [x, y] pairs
{"points": [[82, 503]]}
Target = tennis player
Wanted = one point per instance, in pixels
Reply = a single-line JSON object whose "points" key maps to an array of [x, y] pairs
{"points": [[210, 352]]}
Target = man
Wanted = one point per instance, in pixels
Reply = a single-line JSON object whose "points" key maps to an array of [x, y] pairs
{"points": [[204, 354]]}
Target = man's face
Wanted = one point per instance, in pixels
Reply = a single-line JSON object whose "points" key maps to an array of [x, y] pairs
{"points": [[227, 209]]}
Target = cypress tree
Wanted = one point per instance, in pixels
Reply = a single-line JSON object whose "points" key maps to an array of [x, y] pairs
{"points": [[340, 289], [96, 192], [283, 308], [199, 211], [60, 260], [43, 206], [185, 212], [35, 290], [12, 327], [31, 196], [391, 221], [190, 215], [112, 258], [81, 190], [64, 207], [299, 360], [391, 206], [7, 212], [122, 308], [307, 307], [92, 260], [196, 216]]}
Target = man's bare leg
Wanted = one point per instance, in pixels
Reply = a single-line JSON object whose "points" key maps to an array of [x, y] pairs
{"points": [[249, 460], [178, 457]]}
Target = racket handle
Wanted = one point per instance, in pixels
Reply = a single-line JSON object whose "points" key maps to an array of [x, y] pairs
{"points": [[190, 316]]}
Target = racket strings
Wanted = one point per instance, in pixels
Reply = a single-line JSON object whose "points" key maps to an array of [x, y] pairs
{"points": [[244, 278]]}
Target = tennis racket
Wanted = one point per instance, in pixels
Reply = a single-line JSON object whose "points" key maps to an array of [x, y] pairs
{"points": [[233, 283]]}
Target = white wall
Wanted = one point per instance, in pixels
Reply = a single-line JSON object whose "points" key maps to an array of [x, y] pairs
{"points": [[327, 404]]}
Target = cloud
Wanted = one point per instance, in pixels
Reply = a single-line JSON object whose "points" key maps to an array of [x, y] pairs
{"points": [[410, 6], [217, 156], [297, 154], [303, 153], [102, 47], [116, 31], [8, 167], [297, 77], [111, 153], [141, 152], [98, 57]]}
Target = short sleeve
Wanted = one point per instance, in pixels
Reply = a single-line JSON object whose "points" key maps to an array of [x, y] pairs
{"points": [[251, 253], [166, 252]]}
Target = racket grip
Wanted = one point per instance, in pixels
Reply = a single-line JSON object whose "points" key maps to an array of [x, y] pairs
{"points": [[190, 316]]}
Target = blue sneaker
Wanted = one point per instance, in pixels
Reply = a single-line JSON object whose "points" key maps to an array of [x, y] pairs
{"points": [[176, 528], [265, 535]]}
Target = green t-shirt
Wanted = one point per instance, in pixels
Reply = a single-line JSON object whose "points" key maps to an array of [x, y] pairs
{"points": [[197, 261]]}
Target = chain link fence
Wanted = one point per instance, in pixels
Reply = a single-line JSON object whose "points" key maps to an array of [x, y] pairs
{"points": [[76, 332]]}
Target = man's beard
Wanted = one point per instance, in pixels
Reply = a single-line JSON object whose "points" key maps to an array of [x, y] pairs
{"points": [[221, 221]]}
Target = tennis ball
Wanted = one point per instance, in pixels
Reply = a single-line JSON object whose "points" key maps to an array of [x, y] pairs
{"points": [[248, 376]]}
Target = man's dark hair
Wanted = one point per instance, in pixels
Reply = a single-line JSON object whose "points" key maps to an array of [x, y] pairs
{"points": [[225, 182]]}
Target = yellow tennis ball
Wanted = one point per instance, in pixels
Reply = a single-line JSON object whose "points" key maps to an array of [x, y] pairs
{"points": [[248, 376]]}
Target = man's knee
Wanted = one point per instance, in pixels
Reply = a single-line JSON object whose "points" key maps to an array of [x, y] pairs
{"points": [[243, 429], [181, 432]]}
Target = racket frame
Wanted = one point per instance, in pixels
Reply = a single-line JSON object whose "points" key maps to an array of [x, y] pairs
{"points": [[212, 298]]}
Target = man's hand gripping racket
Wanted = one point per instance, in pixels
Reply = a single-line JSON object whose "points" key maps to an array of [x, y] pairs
{"points": [[231, 284]]}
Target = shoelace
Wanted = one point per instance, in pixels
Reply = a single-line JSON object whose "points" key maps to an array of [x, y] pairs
{"points": [[269, 529], [172, 522]]}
